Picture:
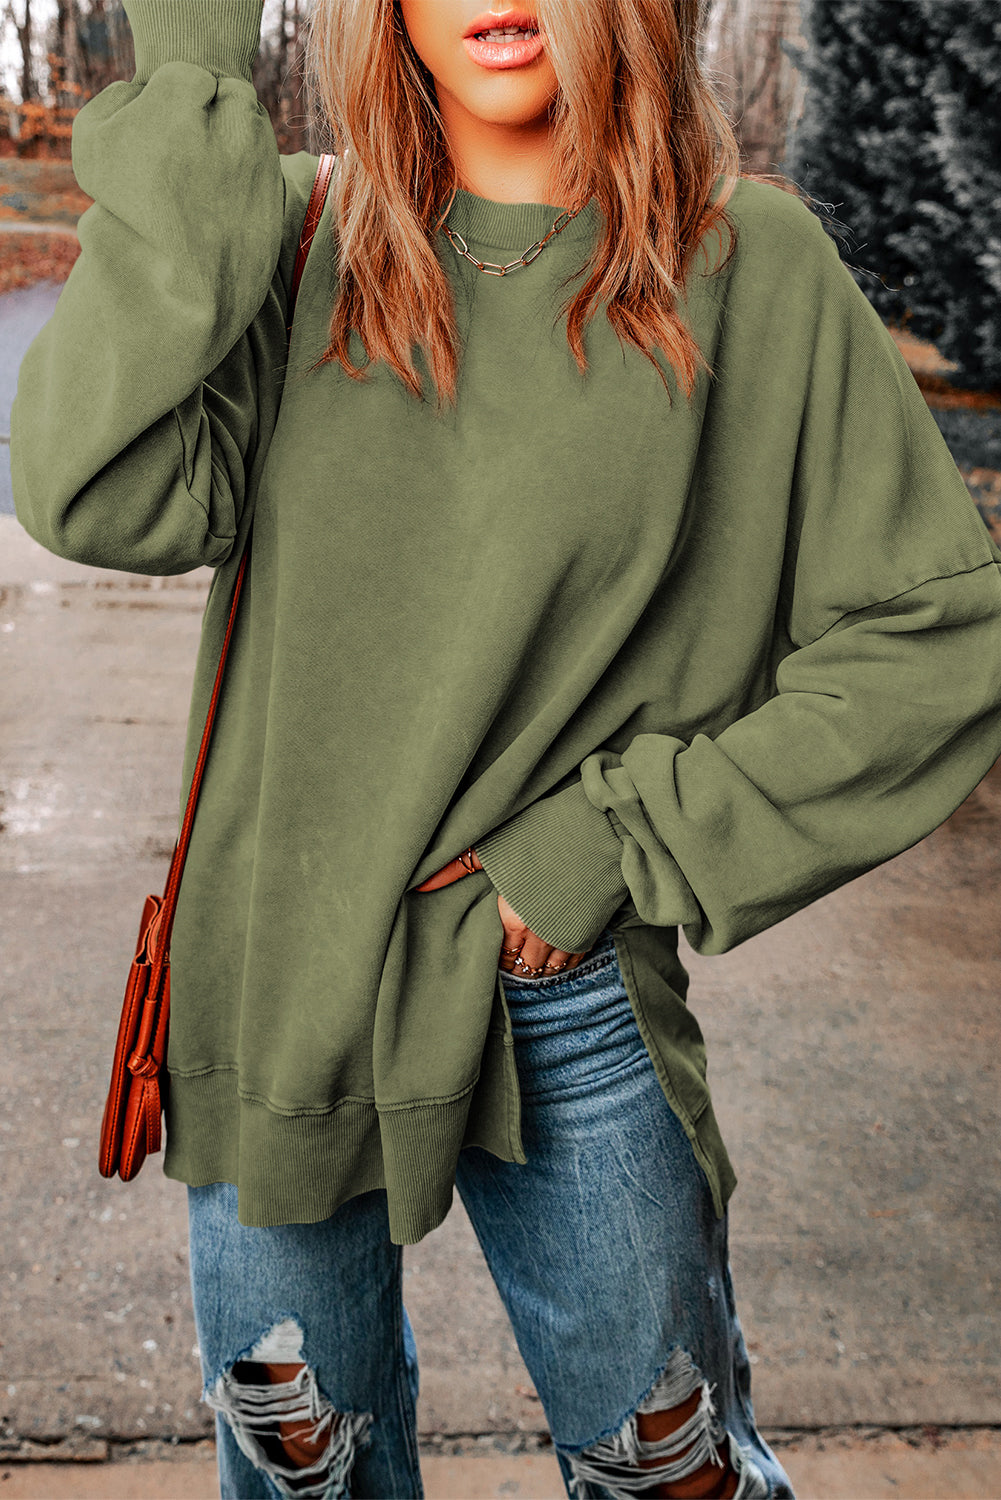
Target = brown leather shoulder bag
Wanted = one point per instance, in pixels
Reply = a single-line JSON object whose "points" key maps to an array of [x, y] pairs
{"points": [[130, 1128]]}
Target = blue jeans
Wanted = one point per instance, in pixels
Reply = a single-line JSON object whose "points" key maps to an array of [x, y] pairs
{"points": [[604, 1247]]}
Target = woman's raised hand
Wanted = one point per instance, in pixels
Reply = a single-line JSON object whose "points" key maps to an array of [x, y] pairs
{"points": [[522, 952]]}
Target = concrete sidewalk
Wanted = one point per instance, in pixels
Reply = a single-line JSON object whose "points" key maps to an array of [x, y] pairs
{"points": [[853, 1053], [847, 1466]]}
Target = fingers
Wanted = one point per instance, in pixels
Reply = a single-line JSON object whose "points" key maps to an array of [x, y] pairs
{"points": [[524, 953], [554, 962], [445, 876], [463, 864], [550, 962]]}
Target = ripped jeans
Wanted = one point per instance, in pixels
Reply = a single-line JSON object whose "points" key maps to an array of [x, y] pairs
{"points": [[604, 1247]]}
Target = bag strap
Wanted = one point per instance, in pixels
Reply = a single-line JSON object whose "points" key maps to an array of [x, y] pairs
{"points": [[313, 211], [166, 915]]}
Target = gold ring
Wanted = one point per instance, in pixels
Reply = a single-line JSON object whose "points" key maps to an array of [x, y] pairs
{"points": [[531, 970]]}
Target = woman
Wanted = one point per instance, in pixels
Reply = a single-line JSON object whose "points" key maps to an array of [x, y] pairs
{"points": [[670, 609]]}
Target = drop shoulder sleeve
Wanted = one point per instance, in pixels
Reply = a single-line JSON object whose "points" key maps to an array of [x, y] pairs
{"points": [[147, 399], [887, 703]]}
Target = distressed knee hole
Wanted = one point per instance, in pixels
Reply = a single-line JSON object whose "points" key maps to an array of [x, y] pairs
{"points": [[283, 1422], [672, 1446]]}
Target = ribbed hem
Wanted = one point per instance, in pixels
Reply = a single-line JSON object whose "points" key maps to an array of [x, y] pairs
{"points": [[299, 1168], [220, 35], [558, 864]]}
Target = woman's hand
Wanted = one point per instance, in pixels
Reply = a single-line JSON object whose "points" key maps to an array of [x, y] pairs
{"points": [[522, 952]]}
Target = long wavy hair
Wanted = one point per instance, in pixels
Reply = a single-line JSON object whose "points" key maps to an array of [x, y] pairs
{"points": [[636, 124]]}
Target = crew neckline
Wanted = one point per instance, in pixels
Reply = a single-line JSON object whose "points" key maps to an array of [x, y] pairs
{"points": [[515, 226]]}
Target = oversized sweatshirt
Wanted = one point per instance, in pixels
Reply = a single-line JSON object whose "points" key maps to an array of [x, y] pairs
{"points": [[664, 662]]}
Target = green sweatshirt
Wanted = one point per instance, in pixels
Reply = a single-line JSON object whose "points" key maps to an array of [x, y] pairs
{"points": [[687, 662]]}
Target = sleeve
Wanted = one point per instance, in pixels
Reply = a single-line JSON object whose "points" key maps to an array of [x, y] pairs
{"points": [[144, 401], [886, 710]]}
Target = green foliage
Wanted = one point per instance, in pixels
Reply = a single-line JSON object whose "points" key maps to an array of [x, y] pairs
{"points": [[901, 132]]}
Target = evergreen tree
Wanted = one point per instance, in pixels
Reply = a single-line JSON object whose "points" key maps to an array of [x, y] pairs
{"points": [[954, 241], [900, 132]]}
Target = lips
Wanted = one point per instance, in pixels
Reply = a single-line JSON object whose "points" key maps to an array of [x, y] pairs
{"points": [[516, 53], [490, 21]]}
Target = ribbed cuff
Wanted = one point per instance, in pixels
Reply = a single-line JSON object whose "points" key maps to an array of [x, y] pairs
{"points": [[220, 35], [558, 864]]}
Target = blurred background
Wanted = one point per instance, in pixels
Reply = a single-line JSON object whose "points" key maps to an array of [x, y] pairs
{"points": [[855, 1049]]}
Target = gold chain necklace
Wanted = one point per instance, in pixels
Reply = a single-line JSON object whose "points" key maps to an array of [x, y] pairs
{"points": [[491, 268]]}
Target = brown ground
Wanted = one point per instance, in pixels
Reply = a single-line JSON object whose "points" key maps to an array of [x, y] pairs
{"points": [[931, 372], [27, 258]]}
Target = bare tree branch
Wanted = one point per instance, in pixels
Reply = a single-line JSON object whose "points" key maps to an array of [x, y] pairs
{"points": [[23, 32]]}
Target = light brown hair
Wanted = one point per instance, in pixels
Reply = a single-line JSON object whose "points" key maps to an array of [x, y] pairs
{"points": [[636, 125]]}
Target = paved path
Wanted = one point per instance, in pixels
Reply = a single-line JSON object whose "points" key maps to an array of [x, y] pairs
{"points": [[847, 1466], [35, 226]]}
